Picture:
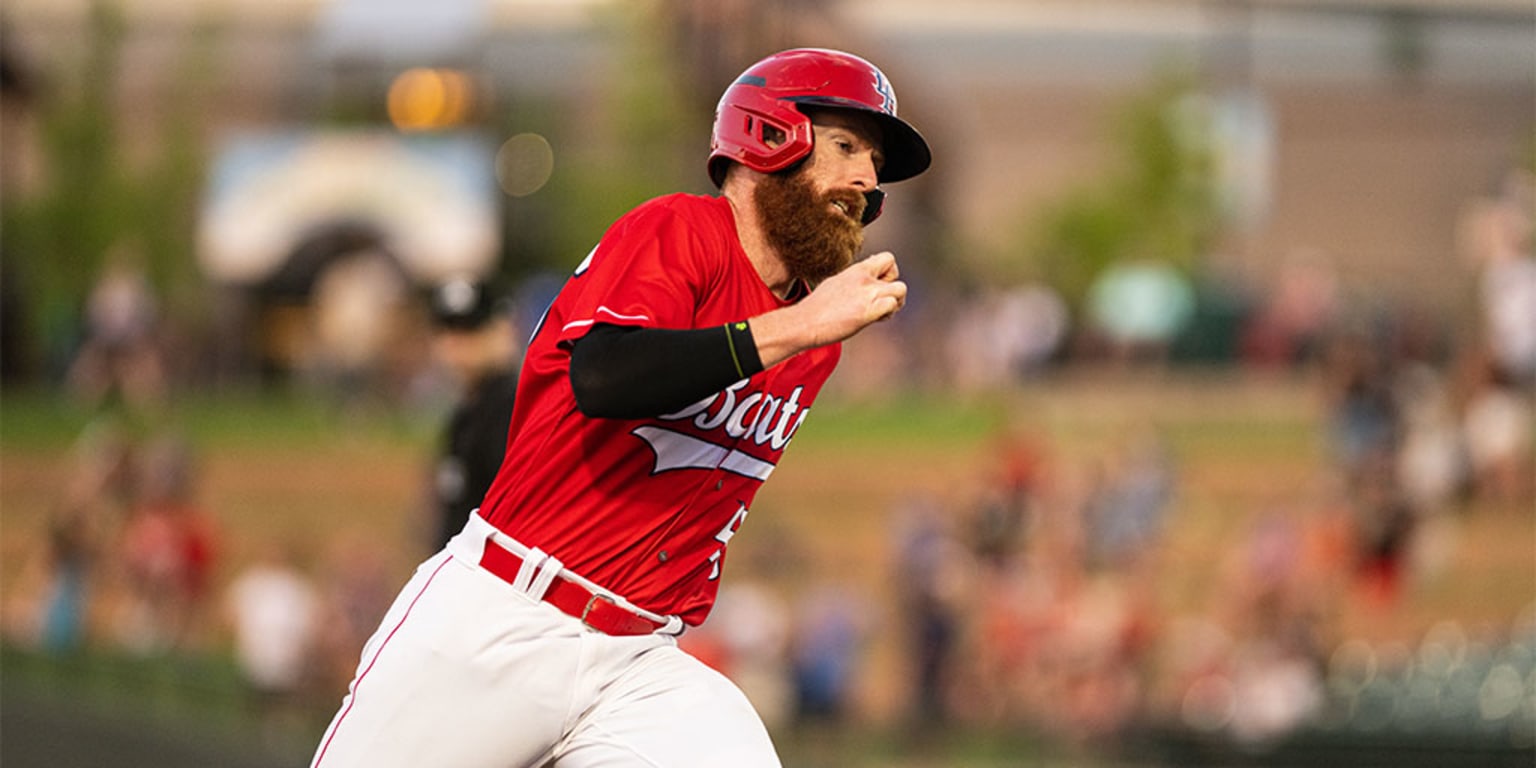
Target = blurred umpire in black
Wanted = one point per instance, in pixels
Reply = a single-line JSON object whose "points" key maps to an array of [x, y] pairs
{"points": [[476, 339]]}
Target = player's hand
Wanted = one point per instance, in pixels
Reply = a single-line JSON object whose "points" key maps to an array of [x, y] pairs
{"points": [[887, 271], [868, 291], [844, 304]]}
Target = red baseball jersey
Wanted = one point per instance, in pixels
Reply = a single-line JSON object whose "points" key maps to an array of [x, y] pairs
{"points": [[645, 507]]}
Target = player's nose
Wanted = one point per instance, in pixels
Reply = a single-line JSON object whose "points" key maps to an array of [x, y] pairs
{"points": [[863, 174]]}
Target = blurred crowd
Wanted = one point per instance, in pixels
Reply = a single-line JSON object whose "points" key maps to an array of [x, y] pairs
{"points": [[135, 562], [1046, 605]]}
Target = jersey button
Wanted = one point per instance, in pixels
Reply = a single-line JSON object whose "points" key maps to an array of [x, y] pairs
{"points": [[719, 484], [662, 556]]}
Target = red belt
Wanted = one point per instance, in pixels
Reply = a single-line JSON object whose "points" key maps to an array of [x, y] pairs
{"points": [[594, 609]]}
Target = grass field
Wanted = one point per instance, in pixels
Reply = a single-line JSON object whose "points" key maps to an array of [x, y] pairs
{"points": [[276, 467]]}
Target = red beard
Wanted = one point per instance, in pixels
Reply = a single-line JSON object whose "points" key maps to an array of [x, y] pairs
{"points": [[812, 238]]}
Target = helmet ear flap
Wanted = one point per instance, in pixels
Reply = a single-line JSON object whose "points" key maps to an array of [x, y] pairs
{"points": [[759, 131], [874, 203]]}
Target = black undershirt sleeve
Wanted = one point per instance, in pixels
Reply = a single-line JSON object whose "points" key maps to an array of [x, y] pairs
{"points": [[621, 372]]}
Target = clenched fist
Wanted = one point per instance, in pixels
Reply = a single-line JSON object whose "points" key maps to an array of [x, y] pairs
{"points": [[866, 292]]}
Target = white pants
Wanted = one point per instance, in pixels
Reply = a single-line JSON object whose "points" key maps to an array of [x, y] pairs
{"points": [[467, 672]]}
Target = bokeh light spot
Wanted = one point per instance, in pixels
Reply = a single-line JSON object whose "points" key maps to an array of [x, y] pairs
{"points": [[524, 164]]}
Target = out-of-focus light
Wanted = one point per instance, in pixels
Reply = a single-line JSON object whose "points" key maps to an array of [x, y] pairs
{"points": [[423, 99], [524, 164], [1502, 693], [1352, 667], [1443, 648]]}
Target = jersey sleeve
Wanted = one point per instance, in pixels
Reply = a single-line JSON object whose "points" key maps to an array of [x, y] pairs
{"points": [[651, 270]]}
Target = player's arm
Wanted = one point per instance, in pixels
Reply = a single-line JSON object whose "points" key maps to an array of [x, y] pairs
{"points": [[626, 372], [629, 373]]}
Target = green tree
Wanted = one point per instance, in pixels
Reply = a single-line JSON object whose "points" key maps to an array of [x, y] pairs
{"points": [[1157, 201], [92, 201]]}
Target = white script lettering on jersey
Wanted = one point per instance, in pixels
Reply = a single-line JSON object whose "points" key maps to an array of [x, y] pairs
{"points": [[733, 411], [763, 418]]}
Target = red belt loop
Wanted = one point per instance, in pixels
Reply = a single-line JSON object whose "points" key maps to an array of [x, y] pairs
{"points": [[595, 610]]}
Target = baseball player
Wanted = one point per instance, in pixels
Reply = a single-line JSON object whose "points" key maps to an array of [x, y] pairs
{"points": [[656, 396]]}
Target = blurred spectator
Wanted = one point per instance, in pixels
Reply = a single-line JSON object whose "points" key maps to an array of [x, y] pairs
{"points": [[1324, 567], [831, 627], [1431, 459], [970, 361], [477, 341], [1496, 428], [1125, 514], [1276, 688], [71, 554], [1385, 524], [1256, 675], [48, 601], [1001, 335], [1499, 234], [1362, 414], [1015, 624], [1041, 317], [1004, 513], [168, 550], [274, 611], [119, 355], [1290, 325], [1198, 654], [101, 487], [929, 580], [1139, 306], [1496, 420], [1094, 659]]}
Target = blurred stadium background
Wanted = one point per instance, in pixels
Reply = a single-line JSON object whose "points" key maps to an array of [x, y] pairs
{"points": [[1205, 439]]}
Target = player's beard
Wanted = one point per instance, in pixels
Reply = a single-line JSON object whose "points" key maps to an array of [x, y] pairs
{"points": [[812, 238]]}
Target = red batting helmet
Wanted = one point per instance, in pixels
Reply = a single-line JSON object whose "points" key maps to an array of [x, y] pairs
{"points": [[769, 95]]}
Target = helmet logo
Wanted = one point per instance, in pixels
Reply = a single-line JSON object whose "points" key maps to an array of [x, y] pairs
{"points": [[887, 96]]}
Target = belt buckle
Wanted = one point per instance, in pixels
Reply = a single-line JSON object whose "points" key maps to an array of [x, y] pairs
{"points": [[592, 601]]}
